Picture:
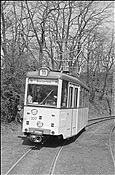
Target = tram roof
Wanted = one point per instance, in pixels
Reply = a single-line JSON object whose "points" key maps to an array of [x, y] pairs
{"points": [[58, 75]]}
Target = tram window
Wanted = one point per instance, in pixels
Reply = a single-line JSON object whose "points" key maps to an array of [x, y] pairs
{"points": [[84, 101], [81, 97], [70, 96], [75, 97], [42, 94], [86, 98], [80, 101], [64, 94], [84, 95]]}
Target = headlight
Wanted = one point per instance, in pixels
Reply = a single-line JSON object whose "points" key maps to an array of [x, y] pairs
{"points": [[34, 111], [39, 124]]}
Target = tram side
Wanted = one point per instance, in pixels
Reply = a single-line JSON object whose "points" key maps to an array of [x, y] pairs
{"points": [[74, 112]]}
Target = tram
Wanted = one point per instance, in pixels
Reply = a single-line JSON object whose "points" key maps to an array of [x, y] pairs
{"points": [[55, 104]]}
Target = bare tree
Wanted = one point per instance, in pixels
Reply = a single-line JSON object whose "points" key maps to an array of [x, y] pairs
{"points": [[57, 33], [14, 60], [38, 13], [82, 18]]}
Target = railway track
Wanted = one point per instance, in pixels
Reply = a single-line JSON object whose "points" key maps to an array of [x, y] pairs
{"points": [[54, 161], [110, 144], [102, 119], [98, 120], [19, 160], [53, 164], [52, 167]]}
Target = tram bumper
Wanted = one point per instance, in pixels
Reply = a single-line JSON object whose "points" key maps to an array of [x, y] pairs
{"points": [[38, 135], [35, 138]]}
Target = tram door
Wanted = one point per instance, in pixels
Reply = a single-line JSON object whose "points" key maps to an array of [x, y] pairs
{"points": [[75, 109], [73, 104], [70, 105]]}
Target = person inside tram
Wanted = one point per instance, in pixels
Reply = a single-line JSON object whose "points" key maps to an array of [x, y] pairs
{"points": [[39, 95], [30, 98]]}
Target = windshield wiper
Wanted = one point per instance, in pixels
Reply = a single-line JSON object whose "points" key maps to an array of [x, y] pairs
{"points": [[46, 97]]}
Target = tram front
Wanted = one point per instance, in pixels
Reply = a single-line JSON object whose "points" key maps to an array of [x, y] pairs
{"points": [[40, 105]]}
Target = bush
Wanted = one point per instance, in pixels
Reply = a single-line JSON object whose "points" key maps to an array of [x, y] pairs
{"points": [[10, 101]]}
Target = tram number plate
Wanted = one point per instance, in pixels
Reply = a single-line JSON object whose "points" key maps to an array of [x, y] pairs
{"points": [[38, 132], [33, 118]]}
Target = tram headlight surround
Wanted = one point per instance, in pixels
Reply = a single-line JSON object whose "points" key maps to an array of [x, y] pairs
{"points": [[34, 111], [39, 124]]}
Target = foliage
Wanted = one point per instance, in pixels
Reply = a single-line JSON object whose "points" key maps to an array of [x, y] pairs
{"points": [[58, 34], [103, 105], [13, 84]]}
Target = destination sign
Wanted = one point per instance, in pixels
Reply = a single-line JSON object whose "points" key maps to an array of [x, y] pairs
{"points": [[42, 81]]}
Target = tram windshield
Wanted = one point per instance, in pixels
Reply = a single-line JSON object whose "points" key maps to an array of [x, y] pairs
{"points": [[42, 95]]}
